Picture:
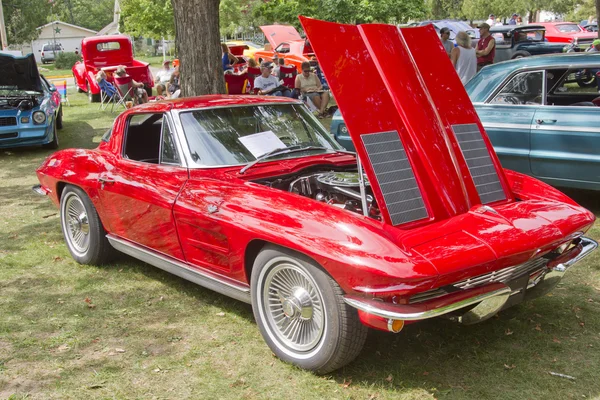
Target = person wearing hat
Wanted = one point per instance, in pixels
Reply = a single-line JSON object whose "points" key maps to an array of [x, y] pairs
{"points": [[445, 38], [513, 19], [269, 85], [486, 47], [162, 77], [491, 21]]}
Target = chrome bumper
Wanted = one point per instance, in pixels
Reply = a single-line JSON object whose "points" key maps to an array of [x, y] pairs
{"points": [[486, 300], [38, 189]]}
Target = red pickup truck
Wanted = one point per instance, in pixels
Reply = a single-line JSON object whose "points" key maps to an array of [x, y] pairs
{"points": [[107, 53]]}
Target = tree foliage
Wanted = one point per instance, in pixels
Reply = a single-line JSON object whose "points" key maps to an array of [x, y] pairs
{"points": [[22, 17], [148, 18], [90, 14]]}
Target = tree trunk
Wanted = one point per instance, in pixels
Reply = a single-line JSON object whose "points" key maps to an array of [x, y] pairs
{"points": [[198, 45]]}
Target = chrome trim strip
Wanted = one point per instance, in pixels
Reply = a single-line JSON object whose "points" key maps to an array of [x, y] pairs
{"points": [[500, 125], [543, 127], [423, 310], [207, 279], [588, 245], [38, 190]]}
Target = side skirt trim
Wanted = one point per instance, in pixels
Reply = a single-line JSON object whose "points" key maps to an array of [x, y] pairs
{"points": [[207, 279]]}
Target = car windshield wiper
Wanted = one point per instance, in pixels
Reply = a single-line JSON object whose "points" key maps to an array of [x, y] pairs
{"points": [[279, 151]]}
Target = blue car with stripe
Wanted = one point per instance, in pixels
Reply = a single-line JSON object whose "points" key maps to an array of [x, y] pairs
{"points": [[30, 106]]}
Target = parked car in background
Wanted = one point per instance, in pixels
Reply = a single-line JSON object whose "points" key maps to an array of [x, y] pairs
{"points": [[286, 42], [516, 41], [107, 53], [565, 32], [30, 107], [589, 27], [49, 52], [455, 26], [540, 121], [248, 48], [339, 131]]}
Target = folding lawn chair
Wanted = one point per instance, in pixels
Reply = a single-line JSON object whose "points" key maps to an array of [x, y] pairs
{"points": [[236, 84], [252, 74], [108, 95], [125, 88]]}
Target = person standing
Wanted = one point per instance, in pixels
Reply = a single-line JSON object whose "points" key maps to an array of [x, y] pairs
{"points": [[513, 19], [445, 37], [227, 59], [463, 58], [491, 21], [486, 47]]}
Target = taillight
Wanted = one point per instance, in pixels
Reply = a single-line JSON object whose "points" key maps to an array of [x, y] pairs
{"points": [[42, 54]]}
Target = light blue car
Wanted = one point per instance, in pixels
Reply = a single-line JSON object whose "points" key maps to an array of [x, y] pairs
{"points": [[30, 107], [542, 115]]}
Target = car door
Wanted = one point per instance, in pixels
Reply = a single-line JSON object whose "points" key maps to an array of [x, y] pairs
{"points": [[507, 118], [566, 135], [139, 191]]}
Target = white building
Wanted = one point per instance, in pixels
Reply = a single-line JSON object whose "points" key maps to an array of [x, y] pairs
{"points": [[69, 36]]}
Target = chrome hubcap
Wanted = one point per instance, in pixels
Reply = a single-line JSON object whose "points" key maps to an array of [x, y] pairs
{"points": [[293, 307], [77, 224]]}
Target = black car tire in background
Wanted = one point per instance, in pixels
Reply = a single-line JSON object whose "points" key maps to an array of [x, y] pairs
{"points": [[521, 54], [54, 143], [59, 116]]}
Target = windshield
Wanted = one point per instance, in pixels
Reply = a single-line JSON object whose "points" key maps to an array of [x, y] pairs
{"points": [[239, 135]]}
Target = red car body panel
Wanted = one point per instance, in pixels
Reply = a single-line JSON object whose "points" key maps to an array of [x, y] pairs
{"points": [[553, 34], [213, 219], [276, 35], [94, 59]]}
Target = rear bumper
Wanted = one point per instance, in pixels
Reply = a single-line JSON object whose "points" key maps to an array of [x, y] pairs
{"points": [[481, 302]]}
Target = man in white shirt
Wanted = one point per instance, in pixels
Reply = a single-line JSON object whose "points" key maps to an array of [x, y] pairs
{"points": [[269, 85], [163, 77], [491, 21]]}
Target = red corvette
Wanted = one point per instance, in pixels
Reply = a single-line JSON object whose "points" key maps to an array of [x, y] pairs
{"points": [[249, 196]]}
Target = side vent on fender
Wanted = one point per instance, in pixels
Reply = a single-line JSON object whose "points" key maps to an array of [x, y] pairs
{"points": [[480, 164], [395, 177]]}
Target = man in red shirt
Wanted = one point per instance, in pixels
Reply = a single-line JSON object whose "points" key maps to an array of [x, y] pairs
{"points": [[486, 47]]}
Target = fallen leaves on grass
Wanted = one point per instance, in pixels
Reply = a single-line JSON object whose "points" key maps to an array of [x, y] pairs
{"points": [[119, 350], [508, 332], [390, 378], [89, 302], [555, 340], [538, 327], [220, 314], [512, 366], [347, 383]]}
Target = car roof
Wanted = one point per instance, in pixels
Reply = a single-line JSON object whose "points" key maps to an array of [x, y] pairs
{"points": [[506, 28], [211, 101], [489, 77]]}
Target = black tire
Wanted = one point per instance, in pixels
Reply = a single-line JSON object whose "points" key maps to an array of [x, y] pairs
{"points": [[93, 98], [83, 232], [520, 54], [330, 334], [53, 145], [79, 90], [59, 116], [586, 80]]}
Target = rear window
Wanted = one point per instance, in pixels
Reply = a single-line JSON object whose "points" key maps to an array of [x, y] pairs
{"points": [[50, 47], [568, 28], [107, 46]]}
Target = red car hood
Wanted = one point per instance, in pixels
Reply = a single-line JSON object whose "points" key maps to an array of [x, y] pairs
{"points": [[277, 34], [415, 130]]}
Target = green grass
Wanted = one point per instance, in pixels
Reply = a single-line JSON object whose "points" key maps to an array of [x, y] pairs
{"points": [[50, 70], [128, 330], [154, 61]]}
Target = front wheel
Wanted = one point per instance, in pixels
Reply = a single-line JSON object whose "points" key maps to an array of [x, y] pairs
{"points": [[82, 229], [53, 145], [301, 313]]}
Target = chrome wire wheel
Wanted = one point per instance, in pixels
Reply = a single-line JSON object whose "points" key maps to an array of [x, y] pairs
{"points": [[292, 306], [76, 224]]}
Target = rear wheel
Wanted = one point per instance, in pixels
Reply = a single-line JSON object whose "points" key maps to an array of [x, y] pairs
{"points": [[301, 312], [93, 98], [82, 229], [586, 79]]}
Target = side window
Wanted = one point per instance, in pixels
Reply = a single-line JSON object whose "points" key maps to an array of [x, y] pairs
{"points": [[142, 138], [524, 88], [283, 48], [168, 153], [577, 82]]}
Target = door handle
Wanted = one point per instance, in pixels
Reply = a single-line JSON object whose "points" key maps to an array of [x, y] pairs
{"points": [[105, 181], [545, 121]]}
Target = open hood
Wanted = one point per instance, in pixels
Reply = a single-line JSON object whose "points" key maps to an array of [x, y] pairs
{"points": [[20, 73], [414, 128], [277, 34]]}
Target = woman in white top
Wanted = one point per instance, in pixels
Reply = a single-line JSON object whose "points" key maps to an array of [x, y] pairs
{"points": [[463, 57]]}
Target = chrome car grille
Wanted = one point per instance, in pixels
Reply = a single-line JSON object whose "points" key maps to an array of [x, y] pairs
{"points": [[503, 275], [8, 121]]}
